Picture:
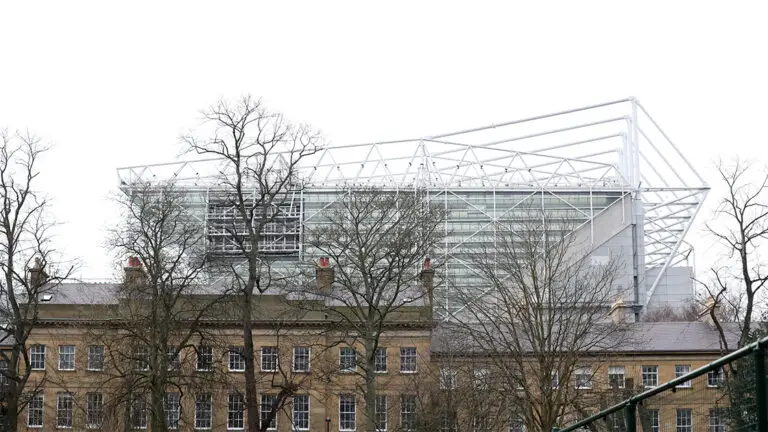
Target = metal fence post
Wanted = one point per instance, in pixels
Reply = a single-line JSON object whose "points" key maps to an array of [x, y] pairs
{"points": [[760, 396], [629, 414]]}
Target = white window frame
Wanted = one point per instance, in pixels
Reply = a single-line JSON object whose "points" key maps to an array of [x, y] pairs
{"points": [[37, 356], [267, 400], [681, 370], [408, 357], [94, 410], [172, 409], [380, 413], [308, 356], [346, 400], [650, 373], [142, 398], [407, 412], [716, 420], [202, 399], [618, 371], [716, 378], [235, 400], [174, 362], [582, 372], [305, 413], [36, 410], [141, 358], [65, 410], [481, 376], [555, 379], [94, 358], [66, 355], [655, 420], [448, 378], [678, 416], [447, 421], [345, 353], [204, 360], [377, 360], [236, 359], [272, 352]]}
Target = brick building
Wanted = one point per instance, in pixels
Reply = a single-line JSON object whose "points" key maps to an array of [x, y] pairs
{"points": [[86, 372]]}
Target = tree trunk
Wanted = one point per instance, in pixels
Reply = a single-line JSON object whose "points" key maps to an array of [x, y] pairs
{"points": [[251, 400], [157, 410], [370, 386], [10, 423]]}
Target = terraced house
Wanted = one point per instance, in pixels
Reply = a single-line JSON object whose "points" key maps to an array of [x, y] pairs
{"points": [[94, 362]]}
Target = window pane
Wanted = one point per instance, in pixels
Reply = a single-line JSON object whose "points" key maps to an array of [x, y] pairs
{"points": [[94, 410], [650, 376], [684, 420], [267, 401], [408, 412], [380, 360], [172, 410], [301, 357], [64, 407], [139, 412], [204, 358], [381, 412], [37, 357], [203, 411], [95, 357], [681, 370], [616, 376], [236, 358], [408, 359], [66, 357], [236, 411], [347, 359], [347, 412], [269, 356], [301, 412], [35, 411]]}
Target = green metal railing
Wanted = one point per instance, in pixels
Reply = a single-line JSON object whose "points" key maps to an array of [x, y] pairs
{"points": [[691, 402]]}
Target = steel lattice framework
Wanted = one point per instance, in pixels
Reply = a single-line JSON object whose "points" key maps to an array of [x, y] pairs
{"points": [[609, 150]]}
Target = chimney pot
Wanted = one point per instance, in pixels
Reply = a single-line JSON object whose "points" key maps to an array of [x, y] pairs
{"points": [[37, 274], [324, 275]]}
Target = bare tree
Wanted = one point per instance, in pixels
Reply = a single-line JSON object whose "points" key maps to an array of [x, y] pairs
{"points": [[261, 152], [690, 312], [736, 282], [544, 314], [25, 254], [160, 328], [740, 225], [376, 240]]}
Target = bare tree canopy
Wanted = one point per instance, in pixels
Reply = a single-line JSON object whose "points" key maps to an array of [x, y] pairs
{"points": [[162, 307], [377, 241], [260, 153], [545, 311], [29, 265], [740, 226]]}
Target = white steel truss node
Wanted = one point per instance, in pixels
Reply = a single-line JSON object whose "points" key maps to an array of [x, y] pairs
{"points": [[609, 148]]}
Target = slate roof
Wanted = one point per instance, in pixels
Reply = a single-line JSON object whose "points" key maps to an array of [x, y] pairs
{"points": [[657, 337]]}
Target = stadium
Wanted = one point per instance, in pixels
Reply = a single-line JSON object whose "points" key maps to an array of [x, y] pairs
{"points": [[609, 168]]}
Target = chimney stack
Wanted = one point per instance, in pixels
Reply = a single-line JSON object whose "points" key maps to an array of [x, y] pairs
{"points": [[37, 274], [427, 282], [706, 314], [324, 276], [134, 272], [621, 312]]}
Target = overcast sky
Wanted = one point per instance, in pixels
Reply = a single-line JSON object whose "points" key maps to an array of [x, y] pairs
{"points": [[113, 86]]}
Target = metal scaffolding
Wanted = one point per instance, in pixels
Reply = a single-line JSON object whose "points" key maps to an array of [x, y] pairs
{"points": [[580, 160]]}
